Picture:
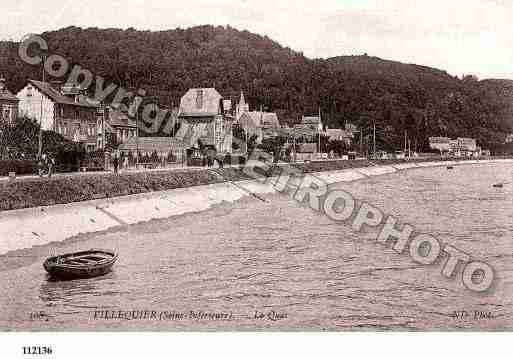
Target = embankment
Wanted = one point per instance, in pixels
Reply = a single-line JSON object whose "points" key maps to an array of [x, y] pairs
{"points": [[24, 228], [28, 193]]}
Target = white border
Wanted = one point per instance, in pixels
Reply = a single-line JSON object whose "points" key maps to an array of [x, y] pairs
{"points": [[258, 345]]}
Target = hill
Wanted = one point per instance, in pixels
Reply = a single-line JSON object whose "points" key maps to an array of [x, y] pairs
{"points": [[360, 89]]}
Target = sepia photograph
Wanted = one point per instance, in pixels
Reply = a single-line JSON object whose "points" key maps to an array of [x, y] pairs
{"points": [[255, 166]]}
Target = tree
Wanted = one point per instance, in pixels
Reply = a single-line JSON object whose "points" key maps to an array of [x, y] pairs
{"points": [[274, 146], [252, 143], [337, 146], [323, 140]]}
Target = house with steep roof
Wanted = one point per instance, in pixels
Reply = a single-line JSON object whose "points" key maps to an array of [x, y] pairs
{"points": [[8, 104], [118, 125], [259, 123], [204, 120], [64, 109], [314, 122], [309, 127], [337, 134]]}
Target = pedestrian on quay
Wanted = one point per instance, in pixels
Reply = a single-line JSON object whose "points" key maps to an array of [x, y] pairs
{"points": [[51, 164], [115, 161], [42, 165]]}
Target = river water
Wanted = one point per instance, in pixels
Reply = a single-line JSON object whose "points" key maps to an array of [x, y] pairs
{"points": [[277, 265]]}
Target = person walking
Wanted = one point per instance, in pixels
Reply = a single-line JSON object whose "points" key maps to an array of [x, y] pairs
{"points": [[115, 161], [51, 163], [40, 167]]}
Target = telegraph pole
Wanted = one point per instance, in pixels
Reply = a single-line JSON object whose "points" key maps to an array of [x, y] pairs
{"points": [[137, 137], [361, 141], [374, 138], [294, 141], [319, 130], [40, 137]]}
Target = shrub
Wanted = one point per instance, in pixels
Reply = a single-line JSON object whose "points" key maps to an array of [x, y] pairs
{"points": [[21, 167]]}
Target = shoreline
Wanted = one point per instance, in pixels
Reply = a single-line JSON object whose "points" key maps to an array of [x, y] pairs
{"points": [[26, 229]]}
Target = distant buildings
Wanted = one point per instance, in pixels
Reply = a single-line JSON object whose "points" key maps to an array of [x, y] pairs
{"points": [[119, 127], [441, 144], [64, 109], [203, 119], [309, 128], [8, 104], [167, 149], [259, 123], [461, 146], [337, 134]]}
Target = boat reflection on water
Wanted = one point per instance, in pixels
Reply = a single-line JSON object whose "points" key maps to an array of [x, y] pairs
{"points": [[71, 297]]}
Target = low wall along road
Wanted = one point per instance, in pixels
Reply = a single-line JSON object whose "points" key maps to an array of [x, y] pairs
{"points": [[42, 225]]}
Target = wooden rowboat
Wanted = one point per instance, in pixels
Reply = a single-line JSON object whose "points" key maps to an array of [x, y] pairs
{"points": [[85, 264]]}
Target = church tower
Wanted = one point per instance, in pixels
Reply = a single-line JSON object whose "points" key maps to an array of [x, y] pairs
{"points": [[242, 107]]}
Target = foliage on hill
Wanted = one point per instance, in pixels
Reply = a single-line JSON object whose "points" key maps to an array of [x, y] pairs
{"points": [[359, 89]]}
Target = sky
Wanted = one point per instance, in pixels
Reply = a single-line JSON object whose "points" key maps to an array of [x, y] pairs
{"points": [[459, 36]]}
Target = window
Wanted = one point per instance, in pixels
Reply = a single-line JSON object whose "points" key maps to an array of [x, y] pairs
{"points": [[77, 114], [6, 113]]}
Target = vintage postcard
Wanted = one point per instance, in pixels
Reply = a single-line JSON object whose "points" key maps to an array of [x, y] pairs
{"points": [[276, 166]]}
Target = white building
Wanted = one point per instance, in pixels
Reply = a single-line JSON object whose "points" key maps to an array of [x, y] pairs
{"points": [[63, 109]]}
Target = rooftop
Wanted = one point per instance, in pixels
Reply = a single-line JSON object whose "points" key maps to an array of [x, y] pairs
{"points": [[311, 120], [150, 144], [56, 96], [200, 102], [337, 133], [5, 94], [254, 119]]}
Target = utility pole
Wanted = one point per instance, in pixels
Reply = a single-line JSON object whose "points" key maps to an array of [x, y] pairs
{"points": [[40, 137], [374, 138], [361, 141], [294, 144], [319, 130], [247, 149], [137, 137]]}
